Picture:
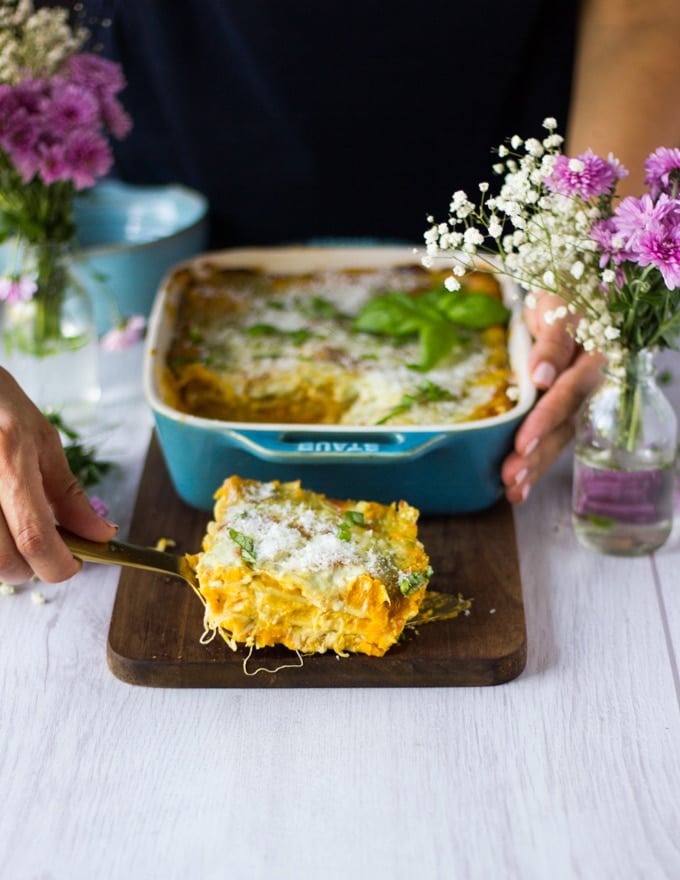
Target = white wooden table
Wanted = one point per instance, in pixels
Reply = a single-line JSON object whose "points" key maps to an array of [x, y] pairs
{"points": [[570, 771]]}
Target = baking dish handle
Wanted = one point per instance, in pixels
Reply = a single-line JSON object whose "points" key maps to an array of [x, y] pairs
{"points": [[303, 446]]}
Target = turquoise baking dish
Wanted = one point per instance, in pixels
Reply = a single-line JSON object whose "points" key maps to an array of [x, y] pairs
{"points": [[439, 470]]}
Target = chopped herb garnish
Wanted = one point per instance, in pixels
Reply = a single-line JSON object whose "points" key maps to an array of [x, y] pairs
{"points": [[409, 583], [246, 544], [297, 336], [350, 518], [318, 307], [426, 392]]}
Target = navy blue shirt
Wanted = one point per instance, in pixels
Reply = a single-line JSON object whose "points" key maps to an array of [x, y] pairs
{"points": [[305, 119]]}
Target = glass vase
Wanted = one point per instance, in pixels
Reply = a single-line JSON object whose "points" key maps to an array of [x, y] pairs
{"points": [[49, 342], [625, 449]]}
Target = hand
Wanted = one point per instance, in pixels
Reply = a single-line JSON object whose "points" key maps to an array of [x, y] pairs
{"points": [[566, 374], [37, 489]]}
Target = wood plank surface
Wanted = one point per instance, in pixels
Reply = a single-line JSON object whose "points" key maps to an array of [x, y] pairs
{"points": [[157, 622]]}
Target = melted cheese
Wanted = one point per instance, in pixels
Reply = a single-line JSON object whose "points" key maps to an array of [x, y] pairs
{"points": [[284, 565], [253, 347]]}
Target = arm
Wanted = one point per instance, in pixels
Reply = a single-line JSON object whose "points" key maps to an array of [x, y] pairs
{"points": [[36, 489], [625, 101]]}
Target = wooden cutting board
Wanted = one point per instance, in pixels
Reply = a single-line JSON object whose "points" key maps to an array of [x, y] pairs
{"points": [[157, 622]]}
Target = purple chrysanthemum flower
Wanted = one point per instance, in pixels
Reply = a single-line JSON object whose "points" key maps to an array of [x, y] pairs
{"points": [[96, 73], [659, 243], [586, 176], [17, 289], [630, 219], [53, 164], [115, 118], [610, 242], [72, 107], [125, 334], [661, 168], [87, 156]]}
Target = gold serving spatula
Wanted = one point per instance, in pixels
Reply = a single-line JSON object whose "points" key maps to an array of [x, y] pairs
{"points": [[130, 555], [435, 606]]}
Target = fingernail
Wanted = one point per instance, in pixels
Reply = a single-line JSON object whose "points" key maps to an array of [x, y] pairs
{"points": [[526, 488], [531, 445], [544, 375], [521, 476]]}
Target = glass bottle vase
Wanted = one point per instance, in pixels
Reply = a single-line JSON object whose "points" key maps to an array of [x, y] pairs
{"points": [[49, 341], [624, 457]]}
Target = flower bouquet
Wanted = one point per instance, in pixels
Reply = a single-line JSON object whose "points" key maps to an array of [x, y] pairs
{"points": [[556, 225], [58, 106]]}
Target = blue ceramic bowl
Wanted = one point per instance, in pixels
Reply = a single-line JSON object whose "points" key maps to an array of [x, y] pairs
{"points": [[438, 469], [129, 236]]}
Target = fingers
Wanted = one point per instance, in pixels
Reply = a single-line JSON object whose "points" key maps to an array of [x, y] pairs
{"points": [[567, 375], [554, 348], [37, 487], [29, 539]]}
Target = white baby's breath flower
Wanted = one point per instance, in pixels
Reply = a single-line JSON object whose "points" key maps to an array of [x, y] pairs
{"points": [[495, 228], [534, 147], [609, 276], [451, 283], [553, 141], [550, 123], [472, 237]]}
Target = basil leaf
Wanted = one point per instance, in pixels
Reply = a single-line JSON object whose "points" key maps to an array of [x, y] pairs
{"points": [[392, 314], [246, 544], [473, 310], [437, 339]]}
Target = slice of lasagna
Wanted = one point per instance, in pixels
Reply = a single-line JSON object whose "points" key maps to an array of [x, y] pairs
{"points": [[284, 565]]}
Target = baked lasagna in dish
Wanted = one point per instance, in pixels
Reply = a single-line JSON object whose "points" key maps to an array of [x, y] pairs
{"points": [[282, 565], [381, 346]]}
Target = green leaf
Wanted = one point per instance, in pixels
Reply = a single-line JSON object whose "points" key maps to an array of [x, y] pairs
{"points": [[437, 339], [82, 460], [426, 392], [392, 314], [474, 310], [437, 316], [409, 583], [350, 518], [246, 544]]}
